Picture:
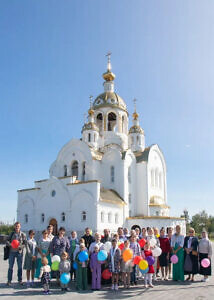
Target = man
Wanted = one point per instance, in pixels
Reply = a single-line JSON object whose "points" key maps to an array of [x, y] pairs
{"points": [[120, 234], [88, 238], [16, 253], [50, 232], [106, 237], [96, 242]]}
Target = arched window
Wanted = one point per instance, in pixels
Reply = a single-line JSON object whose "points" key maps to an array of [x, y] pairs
{"points": [[63, 217], [112, 174], [74, 169], [26, 218], [130, 213], [129, 175], [65, 171], [130, 198], [83, 216], [109, 217], [123, 124], [152, 177], [138, 138], [157, 213], [160, 180], [116, 219], [112, 119], [156, 177], [83, 171], [102, 216], [99, 121], [43, 218], [89, 137]]}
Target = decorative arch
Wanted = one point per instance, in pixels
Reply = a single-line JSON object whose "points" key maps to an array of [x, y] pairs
{"points": [[99, 120], [74, 168], [112, 121]]}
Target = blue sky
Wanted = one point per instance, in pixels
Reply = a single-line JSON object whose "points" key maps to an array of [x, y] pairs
{"points": [[52, 56]]}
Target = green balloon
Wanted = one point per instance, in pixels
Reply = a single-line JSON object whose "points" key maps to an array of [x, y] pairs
{"points": [[55, 266]]}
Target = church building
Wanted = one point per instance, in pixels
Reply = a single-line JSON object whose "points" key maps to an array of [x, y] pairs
{"points": [[106, 179]]}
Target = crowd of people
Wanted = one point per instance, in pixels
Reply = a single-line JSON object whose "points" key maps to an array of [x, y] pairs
{"points": [[39, 262]]}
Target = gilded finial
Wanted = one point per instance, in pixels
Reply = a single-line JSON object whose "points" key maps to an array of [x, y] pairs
{"points": [[90, 111], [109, 76], [135, 114], [109, 61]]}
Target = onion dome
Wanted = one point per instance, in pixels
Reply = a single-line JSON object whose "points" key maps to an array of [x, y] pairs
{"points": [[136, 129], [90, 126]]}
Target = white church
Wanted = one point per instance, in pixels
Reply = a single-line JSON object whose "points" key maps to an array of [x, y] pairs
{"points": [[106, 179]]}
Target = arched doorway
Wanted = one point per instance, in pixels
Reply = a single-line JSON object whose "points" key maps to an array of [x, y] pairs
{"points": [[136, 226], [112, 120], [53, 222]]}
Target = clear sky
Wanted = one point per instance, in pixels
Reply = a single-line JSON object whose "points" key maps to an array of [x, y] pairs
{"points": [[52, 56]]}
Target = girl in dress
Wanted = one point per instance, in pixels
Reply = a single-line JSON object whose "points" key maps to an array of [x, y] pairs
{"points": [[205, 251], [45, 275], [126, 267], [82, 277], [64, 267], [43, 251], [148, 276], [114, 264], [95, 266], [30, 257]]}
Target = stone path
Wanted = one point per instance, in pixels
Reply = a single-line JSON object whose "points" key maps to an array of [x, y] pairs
{"points": [[163, 290]]}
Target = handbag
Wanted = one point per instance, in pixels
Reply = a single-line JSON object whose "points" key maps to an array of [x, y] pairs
{"points": [[188, 264], [6, 252], [194, 252]]}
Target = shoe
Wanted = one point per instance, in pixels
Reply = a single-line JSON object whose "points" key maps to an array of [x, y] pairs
{"points": [[151, 285], [135, 283], [112, 287], [206, 279], [116, 287], [9, 283], [170, 276], [146, 286], [21, 282], [166, 278]]}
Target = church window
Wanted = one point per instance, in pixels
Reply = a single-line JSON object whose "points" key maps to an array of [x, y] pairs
{"points": [[89, 137], [83, 171], [63, 217], [129, 174], [53, 193], [100, 121], [130, 198], [152, 177], [116, 219], [65, 171], [102, 217], [111, 121], [109, 217], [112, 173], [74, 169], [123, 121], [83, 216], [138, 138], [157, 213], [43, 218], [26, 218], [156, 177]]}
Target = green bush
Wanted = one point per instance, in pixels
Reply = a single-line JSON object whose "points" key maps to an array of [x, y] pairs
{"points": [[6, 229]]}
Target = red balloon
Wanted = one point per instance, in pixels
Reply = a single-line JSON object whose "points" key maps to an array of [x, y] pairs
{"points": [[106, 274], [121, 246], [137, 259], [142, 243], [15, 244]]}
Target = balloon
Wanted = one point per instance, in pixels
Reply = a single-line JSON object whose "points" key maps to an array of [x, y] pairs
{"points": [[156, 251], [121, 246], [83, 256], [55, 258], [65, 278], [102, 255], [157, 235], [143, 264], [106, 274], [142, 243], [107, 246], [150, 260], [144, 271], [152, 242], [75, 266], [174, 259], [55, 266], [137, 259], [15, 244], [205, 262], [127, 254]]}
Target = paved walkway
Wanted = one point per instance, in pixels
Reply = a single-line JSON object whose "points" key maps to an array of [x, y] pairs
{"points": [[163, 290]]}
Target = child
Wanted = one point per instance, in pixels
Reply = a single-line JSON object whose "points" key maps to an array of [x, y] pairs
{"points": [[114, 264], [148, 276], [82, 278], [95, 266], [64, 267], [126, 267], [45, 275], [30, 257]]}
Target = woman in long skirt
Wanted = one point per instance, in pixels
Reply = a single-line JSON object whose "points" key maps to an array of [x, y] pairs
{"points": [[205, 251], [191, 250], [43, 251], [177, 243]]}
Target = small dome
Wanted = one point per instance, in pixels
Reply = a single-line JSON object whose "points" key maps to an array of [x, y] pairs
{"points": [[109, 99], [90, 126], [136, 129]]}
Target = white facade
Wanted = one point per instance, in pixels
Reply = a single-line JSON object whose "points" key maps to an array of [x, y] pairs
{"points": [[106, 179]]}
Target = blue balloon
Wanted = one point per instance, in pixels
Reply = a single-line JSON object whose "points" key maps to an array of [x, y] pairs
{"points": [[65, 278], [83, 256], [144, 271], [102, 255], [75, 266]]}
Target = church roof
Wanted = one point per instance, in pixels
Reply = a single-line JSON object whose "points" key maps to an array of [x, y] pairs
{"points": [[90, 126], [142, 156], [110, 196], [109, 99], [136, 129]]}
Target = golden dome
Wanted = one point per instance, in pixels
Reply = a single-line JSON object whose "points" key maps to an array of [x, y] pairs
{"points": [[135, 115], [108, 76], [136, 129], [90, 126], [109, 99]]}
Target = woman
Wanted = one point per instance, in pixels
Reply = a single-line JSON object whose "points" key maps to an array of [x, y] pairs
{"points": [[177, 242], [30, 257], [205, 251], [164, 257], [43, 251], [191, 254], [169, 235]]}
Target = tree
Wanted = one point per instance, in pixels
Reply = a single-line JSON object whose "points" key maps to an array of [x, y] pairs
{"points": [[200, 221]]}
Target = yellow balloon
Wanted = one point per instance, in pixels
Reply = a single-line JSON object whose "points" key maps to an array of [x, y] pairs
{"points": [[143, 264], [127, 255]]}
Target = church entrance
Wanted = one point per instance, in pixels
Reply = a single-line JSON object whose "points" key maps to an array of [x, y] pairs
{"points": [[53, 222]]}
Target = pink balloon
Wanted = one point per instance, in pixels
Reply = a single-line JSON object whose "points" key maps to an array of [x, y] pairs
{"points": [[174, 259], [205, 263]]}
